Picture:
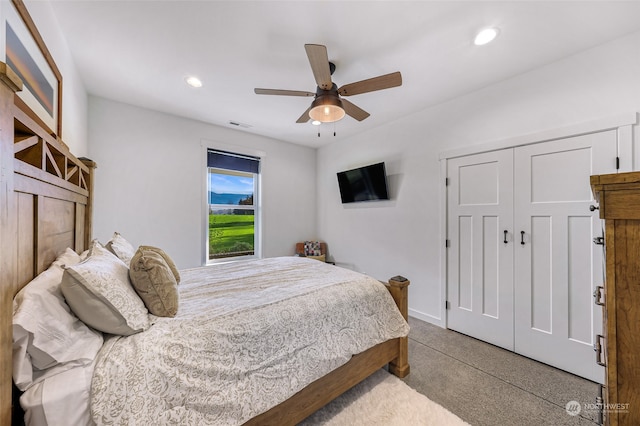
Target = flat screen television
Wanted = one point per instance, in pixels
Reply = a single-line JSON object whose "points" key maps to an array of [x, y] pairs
{"points": [[368, 183]]}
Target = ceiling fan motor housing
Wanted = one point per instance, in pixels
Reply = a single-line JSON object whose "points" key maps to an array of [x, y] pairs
{"points": [[330, 92]]}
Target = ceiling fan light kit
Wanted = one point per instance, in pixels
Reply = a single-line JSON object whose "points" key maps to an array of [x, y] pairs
{"points": [[326, 109], [328, 106]]}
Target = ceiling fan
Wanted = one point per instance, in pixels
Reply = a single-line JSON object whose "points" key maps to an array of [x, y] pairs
{"points": [[328, 105]]}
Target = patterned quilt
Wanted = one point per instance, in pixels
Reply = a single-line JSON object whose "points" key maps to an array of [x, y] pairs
{"points": [[247, 336]]}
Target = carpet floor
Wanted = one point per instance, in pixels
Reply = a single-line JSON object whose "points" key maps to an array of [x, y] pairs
{"points": [[383, 399]]}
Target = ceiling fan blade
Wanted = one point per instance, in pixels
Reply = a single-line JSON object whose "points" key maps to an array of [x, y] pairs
{"points": [[319, 61], [304, 117], [282, 92], [354, 111], [372, 84]]}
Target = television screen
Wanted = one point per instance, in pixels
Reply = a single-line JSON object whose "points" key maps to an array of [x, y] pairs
{"points": [[363, 184]]}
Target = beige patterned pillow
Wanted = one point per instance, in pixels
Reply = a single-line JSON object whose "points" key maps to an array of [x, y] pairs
{"points": [[154, 281], [122, 248], [99, 292], [166, 258]]}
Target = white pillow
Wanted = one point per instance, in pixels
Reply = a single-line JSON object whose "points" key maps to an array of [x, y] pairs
{"points": [[69, 257], [45, 332], [63, 398], [99, 292], [122, 248]]}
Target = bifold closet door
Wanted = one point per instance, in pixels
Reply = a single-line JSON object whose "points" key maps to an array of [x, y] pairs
{"points": [[557, 266], [480, 253], [521, 263]]}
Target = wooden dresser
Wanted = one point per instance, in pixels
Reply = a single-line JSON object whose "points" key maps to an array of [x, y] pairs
{"points": [[618, 196]]}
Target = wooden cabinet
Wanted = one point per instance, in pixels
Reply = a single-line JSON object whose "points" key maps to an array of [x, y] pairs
{"points": [[618, 196]]}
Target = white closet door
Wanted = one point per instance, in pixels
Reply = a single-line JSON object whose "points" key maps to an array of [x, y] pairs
{"points": [[557, 266], [479, 263]]}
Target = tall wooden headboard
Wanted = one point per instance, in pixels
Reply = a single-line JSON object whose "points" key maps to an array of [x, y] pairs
{"points": [[45, 207]]}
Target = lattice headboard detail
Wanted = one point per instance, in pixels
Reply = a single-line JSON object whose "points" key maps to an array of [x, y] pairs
{"points": [[46, 154]]}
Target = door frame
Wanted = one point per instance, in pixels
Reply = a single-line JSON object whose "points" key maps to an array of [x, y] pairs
{"points": [[623, 124]]}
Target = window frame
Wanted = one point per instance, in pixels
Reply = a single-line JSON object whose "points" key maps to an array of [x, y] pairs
{"points": [[257, 202]]}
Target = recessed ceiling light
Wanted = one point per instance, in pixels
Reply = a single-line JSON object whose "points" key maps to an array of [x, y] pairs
{"points": [[316, 123], [485, 36], [193, 81]]}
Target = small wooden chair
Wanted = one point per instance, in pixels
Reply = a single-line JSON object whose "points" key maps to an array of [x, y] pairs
{"points": [[300, 250]]}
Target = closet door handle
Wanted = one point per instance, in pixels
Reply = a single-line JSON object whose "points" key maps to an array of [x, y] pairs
{"points": [[522, 237], [505, 236]]}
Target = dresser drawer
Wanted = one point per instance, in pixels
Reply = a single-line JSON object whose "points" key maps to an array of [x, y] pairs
{"points": [[620, 204]]}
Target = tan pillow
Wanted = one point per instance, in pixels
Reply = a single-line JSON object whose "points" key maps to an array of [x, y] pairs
{"points": [[154, 281], [166, 258], [321, 258]]}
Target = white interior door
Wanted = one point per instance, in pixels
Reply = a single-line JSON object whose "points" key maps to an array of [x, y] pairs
{"points": [[557, 266], [479, 262]]}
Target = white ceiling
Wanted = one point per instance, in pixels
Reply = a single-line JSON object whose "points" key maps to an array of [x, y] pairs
{"points": [[139, 52]]}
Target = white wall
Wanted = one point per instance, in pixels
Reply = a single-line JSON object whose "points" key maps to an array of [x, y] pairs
{"points": [[403, 236], [74, 94], [150, 177]]}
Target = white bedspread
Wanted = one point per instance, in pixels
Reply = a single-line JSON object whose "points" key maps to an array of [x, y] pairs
{"points": [[247, 336]]}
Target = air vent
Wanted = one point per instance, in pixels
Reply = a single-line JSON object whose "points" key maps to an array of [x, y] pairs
{"points": [[235, 123]]}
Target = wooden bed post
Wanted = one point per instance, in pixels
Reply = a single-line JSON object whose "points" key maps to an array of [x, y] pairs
{"points": [[398, 286], [88, 222]]}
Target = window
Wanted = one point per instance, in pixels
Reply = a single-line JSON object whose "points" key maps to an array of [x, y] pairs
{"points": [[232, 193]]}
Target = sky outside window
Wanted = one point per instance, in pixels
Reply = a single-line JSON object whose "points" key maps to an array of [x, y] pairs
{"points": [[223, 183]]}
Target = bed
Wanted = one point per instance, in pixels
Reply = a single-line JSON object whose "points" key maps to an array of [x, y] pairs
{"points": [[46, 199]]}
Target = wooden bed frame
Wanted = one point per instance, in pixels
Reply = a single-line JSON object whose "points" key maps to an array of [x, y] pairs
{"points": [[46, 206]]}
